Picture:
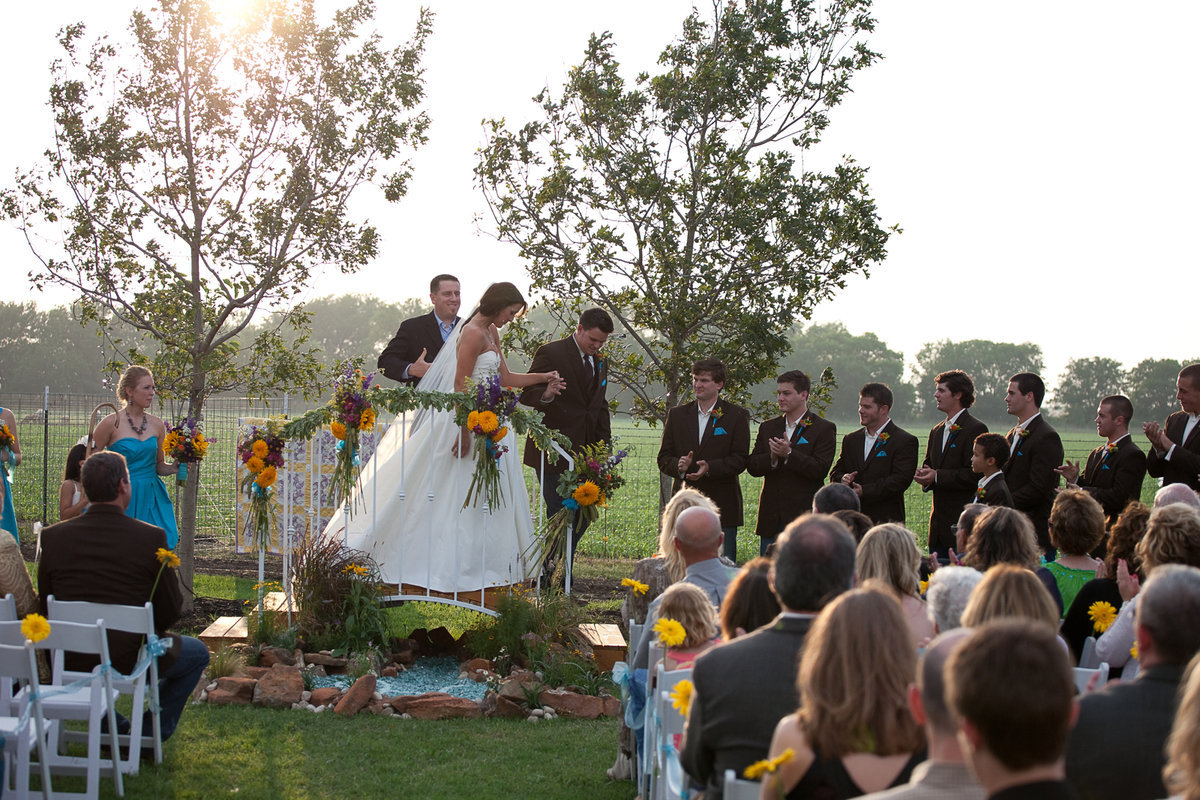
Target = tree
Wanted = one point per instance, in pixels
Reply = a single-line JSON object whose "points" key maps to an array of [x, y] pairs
{"points": [[677, 203], [1084, 383], [1151, 388], [990, 365], [202, 175]]}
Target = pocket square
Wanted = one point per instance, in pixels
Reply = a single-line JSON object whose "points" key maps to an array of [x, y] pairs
{"points": [[1105, 467], [880, 454], [719, 431], [802, 441]]}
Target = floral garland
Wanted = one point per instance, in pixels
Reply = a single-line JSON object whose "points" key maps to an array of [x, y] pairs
{"points": [[185, 444], [260, 449]]}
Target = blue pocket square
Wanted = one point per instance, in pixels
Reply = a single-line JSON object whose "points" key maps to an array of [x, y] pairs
{"points": [[604, 382], [952, 446], [802, 441], [880, 454], [1105, 467], [719, 431], [1020, 453]]}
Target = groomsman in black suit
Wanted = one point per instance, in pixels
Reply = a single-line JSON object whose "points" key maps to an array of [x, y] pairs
{"points": [[414, 347], [1115, 470], [576, 409], [792, 453], [879, 460], [947, 468], [705, 444], [1175, 456], [1035, 450]]}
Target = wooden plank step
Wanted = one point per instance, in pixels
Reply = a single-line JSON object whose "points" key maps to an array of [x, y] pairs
{"points": [[223, 631], [607, 642]]}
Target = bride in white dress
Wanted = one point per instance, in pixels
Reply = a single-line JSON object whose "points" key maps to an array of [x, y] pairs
{"points": [[410, 517]]}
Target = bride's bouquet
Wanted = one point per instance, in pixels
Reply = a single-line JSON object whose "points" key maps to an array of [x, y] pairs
{"points": [[185, 444], [486, 417], [352, 414], [7, 442], [585, 490]]}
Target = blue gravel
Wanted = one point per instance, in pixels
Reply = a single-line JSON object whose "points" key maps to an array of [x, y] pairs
{"points": [[432, 674]]}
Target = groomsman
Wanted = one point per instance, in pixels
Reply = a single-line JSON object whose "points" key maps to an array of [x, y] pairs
{"points": [[1115, 470], [414, 347], [1035, 450], [877, 461], [792, 453], [705, 444], [947, 468], [1175, 456], [577, 409]]}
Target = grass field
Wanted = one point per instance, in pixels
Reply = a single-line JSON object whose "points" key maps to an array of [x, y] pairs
{"points": [[626, 529]]}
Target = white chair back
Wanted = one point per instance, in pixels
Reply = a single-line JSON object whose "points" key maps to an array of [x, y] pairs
{"points": [[739, 788], [143, 688], [1087, 657], [669, 781], [25, 731], [1083, 677], [1130, 671], [8, 608]]}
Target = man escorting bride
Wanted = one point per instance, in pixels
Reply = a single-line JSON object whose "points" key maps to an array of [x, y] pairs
{"points": [[411, 519]]}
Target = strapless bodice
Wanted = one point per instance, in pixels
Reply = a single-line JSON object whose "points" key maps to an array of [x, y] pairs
{"points": [[486, 365]]}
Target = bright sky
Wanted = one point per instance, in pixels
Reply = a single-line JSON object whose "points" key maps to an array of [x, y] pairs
{"points": [[1040, 159]]}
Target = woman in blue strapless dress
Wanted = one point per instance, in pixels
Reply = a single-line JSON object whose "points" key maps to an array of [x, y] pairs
{"points": [[8, 460], [137, 434]]}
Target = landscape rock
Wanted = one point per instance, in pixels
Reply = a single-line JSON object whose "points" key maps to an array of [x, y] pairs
{"points": [[476, 664], [325, 696], [612, 706], [280, 687], [256, 672], [356, 697], [233, 692], [438, 705], [325, 660], [570, 704], [507, 708], [389, 672], [270, 656], [513, 690]]}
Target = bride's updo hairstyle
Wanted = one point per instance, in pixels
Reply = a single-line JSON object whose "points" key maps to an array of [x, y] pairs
{"points": [[130, 378], [500, 296]]}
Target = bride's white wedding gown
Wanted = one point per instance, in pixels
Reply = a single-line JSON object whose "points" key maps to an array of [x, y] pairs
{"points": [[410, 516]]}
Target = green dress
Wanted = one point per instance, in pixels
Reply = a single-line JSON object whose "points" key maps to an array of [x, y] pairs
{"points": [[1069, 581]]}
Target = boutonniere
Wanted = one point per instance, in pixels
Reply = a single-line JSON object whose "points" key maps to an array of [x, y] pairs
{"points": [[1112, 448], [955, 428], [716, 411], [1023, 432], [981, 493], [883, 437], [805, 422]]}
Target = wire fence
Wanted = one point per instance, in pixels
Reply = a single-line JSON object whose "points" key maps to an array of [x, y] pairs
{"points": [[49, 424]]}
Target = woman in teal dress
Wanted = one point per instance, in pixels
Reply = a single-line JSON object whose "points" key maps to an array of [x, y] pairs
{"points": [[138, 435], [9, 458]]}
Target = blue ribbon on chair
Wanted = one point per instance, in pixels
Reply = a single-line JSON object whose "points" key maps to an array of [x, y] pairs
{"points": [[677, 786]]}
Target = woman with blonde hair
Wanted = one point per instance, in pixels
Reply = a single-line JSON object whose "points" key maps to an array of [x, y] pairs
{"points": [[888, 553], [1182, 772], [1010, 591], [853, 732], [138, 435], [690, 607]]}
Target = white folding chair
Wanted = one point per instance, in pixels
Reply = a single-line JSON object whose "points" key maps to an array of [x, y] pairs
{"points": [[649, 729], [8, 608], [1083, 676], [669, 782], [1087, 657], [25, 731], [1130, 671], [129, 619], [739, 788], [89, 700], [635, 636]]}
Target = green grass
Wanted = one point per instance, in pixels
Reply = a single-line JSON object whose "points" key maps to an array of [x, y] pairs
{"points": [[256, 753]]}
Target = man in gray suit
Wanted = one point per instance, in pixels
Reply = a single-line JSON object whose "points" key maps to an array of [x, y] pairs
{"points": [[1116, 750], [743, 688]]}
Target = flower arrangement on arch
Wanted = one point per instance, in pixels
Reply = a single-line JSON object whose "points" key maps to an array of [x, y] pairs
{"points": [[185, 444], [260, 449], [352, 415], [585, 489], [486, 417]]}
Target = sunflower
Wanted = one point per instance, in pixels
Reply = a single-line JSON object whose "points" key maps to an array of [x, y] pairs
{"points": [[255, 465], [670, 632], [1103, 614], [681, 696], [35, 627], [167, 557], [499, 435], [338, 430], [636, 586], [367, 421], [488, 422], [473, 420], [266, 478], [587, 493], [260, 448]]}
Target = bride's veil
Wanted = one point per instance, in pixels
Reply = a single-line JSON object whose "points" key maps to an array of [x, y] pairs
{"points": [[440, 375]]}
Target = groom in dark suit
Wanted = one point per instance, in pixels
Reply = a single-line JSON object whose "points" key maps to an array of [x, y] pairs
{"points": [[577, 409], [878, 461], [947, 468], [1115, 470], [414, 347], [1175, 456], [705, 444], [792, 453], [1035, 451]]}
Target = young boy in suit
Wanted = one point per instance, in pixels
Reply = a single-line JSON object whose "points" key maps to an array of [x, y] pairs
{"points": [[989, 452]]}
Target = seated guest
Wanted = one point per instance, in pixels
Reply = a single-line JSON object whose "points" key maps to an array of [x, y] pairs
{"points": [[834, 497], [946, 598], [749, 603], [1076, 528], [1122, 545], [1116, 750], [121, 568], [1006, 536], [742, 688], [852, 733], [889, 553], [966, 523], [666, 566], [1176, 493], [944, 776], [857, 522], [1172, 537], [1182, 773], [71, 499], [689, 606], [1010, 591], [988, 455], [1011, 689], [14, 578]]}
